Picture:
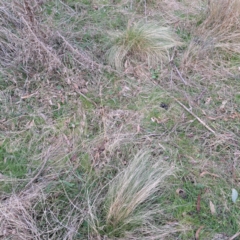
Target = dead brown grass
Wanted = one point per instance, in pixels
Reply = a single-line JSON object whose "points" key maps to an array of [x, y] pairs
{"points": [[32, 48], [71, 138], [215, 39], [17, 220], [180, 14]]}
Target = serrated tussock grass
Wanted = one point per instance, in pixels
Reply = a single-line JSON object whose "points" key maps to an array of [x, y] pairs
{"points": [[141, 42], [129, 203]]}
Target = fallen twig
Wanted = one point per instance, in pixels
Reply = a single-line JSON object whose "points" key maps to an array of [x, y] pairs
{"points": [[198, 233], [194, 115], [198, 206], [180, 75], [190, 111], [234, 236], [208, 173]]}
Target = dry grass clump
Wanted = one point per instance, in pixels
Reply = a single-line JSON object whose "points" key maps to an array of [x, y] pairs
{"points": [[217, 37], [119, 128], [129, 203], [222, 25], [141, 42], [43, 208], [17, 220], [34, 214], [32, 49], [134, 186], [25, 40]]}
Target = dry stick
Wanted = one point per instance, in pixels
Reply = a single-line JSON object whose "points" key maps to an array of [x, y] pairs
{"points": [[188, 110], [87, 98], [85, 58], [234, 236], [173, 65], [65, 5], [82, 56], [51, 54], [41, 43], [180, 75], [54, 56], [145, 8], [194, 115]]}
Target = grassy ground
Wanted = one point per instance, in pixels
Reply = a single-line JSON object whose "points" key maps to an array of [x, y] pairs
{"points": [[119, 119]]}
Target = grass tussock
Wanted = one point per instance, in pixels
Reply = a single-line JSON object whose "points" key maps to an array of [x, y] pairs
{"points": [[134, 186], [147, 43], [130, 200]]}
